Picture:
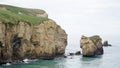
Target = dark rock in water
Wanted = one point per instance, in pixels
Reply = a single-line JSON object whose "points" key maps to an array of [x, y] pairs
{"points": [[71, 54], [110, 45], [105, 43], [78, 53], [91, 46], [65, 56]]}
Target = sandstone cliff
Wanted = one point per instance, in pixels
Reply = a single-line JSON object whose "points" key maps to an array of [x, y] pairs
{"points": [[91, 46], [28, 33]]}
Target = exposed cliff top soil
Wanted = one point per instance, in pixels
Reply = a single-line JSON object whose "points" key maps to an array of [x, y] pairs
{"points": [[11, 14]]}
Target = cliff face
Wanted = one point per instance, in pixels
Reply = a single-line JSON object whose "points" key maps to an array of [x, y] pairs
{"points": [[22, 40], [91, 46]]}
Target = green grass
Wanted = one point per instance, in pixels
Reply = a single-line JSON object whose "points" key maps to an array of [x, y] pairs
{"points": [[12, 16], [95, 37], [22, 10]]}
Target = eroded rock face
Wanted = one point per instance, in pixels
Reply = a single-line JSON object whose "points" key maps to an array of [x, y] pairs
{"points": [[91, 46], [22, 40]]}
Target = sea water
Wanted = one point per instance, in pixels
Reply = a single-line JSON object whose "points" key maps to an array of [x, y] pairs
{"points": [[110, 59]]}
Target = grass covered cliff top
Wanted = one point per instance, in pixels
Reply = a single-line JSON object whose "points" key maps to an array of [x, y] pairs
{"points": [[12, 14], [95, 38]]}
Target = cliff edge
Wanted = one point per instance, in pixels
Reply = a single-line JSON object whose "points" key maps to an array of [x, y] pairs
{"points": [[29, 33]]}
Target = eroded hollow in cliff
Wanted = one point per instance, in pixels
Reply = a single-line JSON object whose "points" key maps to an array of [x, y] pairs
{"points": [[16, 42]]}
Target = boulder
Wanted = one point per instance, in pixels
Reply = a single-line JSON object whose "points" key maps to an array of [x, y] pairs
{"points": [[91, 46]]}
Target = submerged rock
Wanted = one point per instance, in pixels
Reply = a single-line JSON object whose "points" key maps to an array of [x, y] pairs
{"points": [[91, 46], [105, 43], [43, 40]]}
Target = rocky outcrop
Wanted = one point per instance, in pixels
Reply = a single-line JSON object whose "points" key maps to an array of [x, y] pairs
{"points": [[29, 33], [105, 43], [91, 46], [20, 41]]}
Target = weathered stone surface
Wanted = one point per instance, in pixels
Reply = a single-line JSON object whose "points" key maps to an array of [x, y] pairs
{"points": [[91, 46], [98, 43], [20, 41]]}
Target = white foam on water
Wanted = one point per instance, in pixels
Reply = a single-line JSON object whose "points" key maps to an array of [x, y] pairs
{"points": [[7, 64], [26, 60], [29, 60]]}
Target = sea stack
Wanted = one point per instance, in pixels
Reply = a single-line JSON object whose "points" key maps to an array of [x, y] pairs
{"points": [[29, 33], [105, 43], [91, 46]]}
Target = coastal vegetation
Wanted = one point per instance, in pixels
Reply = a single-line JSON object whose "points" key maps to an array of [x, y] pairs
{"points": [[11, 14]]}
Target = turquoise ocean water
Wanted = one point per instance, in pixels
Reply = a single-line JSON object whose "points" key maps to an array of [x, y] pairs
{"points": [[110, 59]]}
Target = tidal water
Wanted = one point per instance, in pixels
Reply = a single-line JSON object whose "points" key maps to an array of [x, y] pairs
{"points": [[110, 59]]}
